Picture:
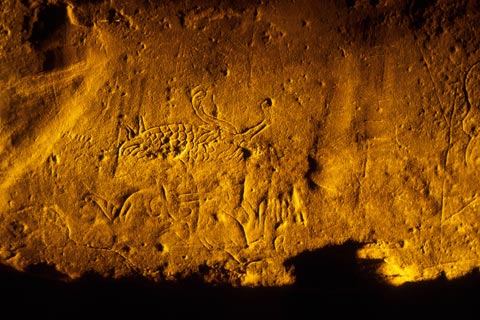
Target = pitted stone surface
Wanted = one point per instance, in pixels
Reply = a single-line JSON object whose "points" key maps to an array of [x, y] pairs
{"points": [[165, 138]]}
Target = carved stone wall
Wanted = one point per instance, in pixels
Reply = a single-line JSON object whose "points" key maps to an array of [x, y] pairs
{"points": [[165, 138]]}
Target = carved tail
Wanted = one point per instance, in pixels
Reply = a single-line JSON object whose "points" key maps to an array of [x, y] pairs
{"points": [[198, 95]]}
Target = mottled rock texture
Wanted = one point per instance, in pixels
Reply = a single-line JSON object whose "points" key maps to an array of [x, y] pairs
{"points": [[222, 138]]}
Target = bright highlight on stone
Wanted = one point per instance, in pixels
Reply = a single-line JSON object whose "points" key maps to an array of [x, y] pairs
{"points": [[166, 138]]}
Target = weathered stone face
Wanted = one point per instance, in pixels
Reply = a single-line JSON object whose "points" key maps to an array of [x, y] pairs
{"points": [[165, 139]]}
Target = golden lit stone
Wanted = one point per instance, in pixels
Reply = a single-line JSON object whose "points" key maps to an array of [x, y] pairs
{"points": [[167, 139]]}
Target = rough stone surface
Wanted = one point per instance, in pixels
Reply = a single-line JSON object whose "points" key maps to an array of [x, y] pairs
{"points": [[222, 138]]}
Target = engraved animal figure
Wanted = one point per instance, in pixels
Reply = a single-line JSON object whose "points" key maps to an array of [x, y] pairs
{"points": [[214, 139], [154, 203], [156, 210]]}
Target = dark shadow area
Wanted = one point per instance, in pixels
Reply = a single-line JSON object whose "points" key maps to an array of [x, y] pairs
{"points": [[331, 284]]}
